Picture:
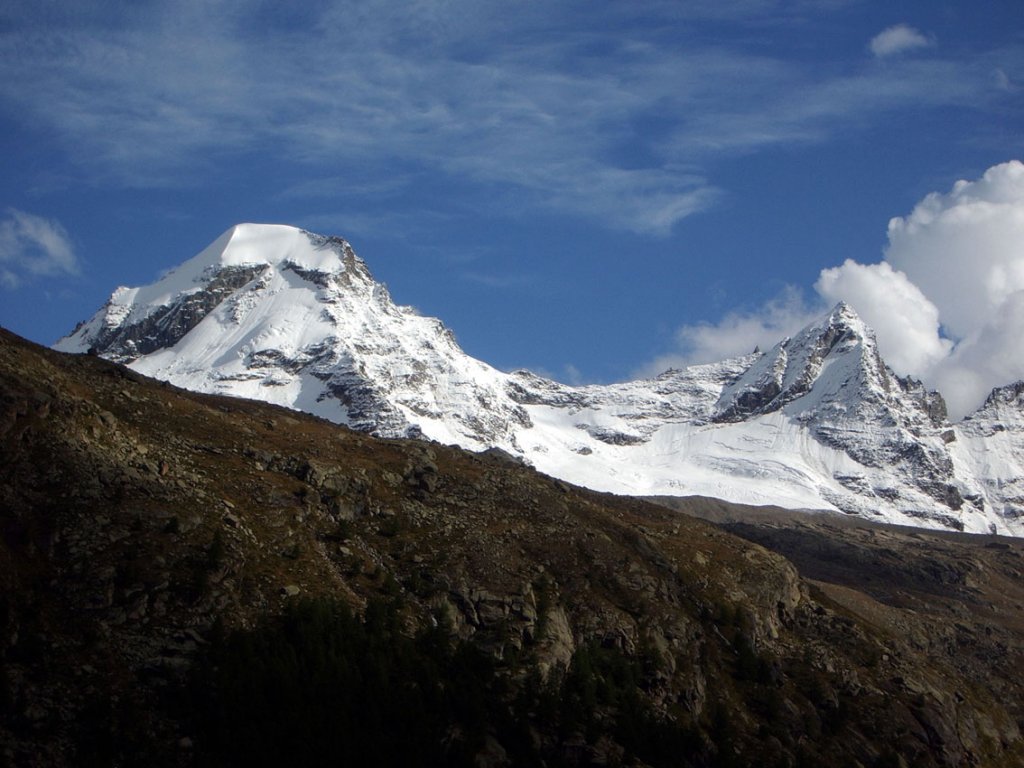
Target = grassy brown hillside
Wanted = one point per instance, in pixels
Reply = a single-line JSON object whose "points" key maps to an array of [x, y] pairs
{"points": [[192, 580]]}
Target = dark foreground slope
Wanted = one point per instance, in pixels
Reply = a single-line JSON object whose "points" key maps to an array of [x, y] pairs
{"points": [[194, 580], [954, 597]]}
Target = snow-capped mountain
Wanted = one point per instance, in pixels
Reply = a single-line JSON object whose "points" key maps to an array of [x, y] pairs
{"points": [[278, 314], [818, 422]]}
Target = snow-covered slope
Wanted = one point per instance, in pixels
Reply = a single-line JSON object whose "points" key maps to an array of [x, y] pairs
{"points": [[990, 449], [277, 314], [818, 422]]}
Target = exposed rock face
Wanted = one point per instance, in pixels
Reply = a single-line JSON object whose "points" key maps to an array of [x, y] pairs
{"points": [[130, 339], [818, 422], [141, 523]]}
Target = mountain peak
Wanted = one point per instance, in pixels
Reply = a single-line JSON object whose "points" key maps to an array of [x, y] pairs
{"points": [[842, 316], [844, 310], [1010, 395], [792, 367], [138, 321], [276, 245], [276, 313]]}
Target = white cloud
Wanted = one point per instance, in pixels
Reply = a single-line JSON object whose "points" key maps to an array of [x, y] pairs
{"points": [[990, 357], [897, 39], [738, 333], [905, 322], [33, 246], [965, 249]]}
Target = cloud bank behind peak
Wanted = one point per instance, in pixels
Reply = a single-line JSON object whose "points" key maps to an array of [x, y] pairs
{"points": [[946, 303]]}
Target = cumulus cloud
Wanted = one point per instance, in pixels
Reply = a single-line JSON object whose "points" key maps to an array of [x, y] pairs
{"points": [[990, 357], [905, 322], [897, 39], [965, 249], [33, 246]]}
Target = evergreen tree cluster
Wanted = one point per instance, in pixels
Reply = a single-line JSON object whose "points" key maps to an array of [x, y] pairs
{"points": [[322, 686]]}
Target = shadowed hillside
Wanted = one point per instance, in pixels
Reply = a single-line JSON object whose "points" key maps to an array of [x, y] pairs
{"points": [[193, 580]]}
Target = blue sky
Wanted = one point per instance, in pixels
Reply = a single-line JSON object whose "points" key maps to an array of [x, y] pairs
{"points": [[591, 190]]}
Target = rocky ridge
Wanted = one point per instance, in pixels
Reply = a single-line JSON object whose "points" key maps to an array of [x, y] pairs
{"points": [[818, 422]]}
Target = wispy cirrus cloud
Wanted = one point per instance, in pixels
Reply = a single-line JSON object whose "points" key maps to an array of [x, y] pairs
{"points": [[897, 39], [497, 281], [618, 128], [33, 246]]}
